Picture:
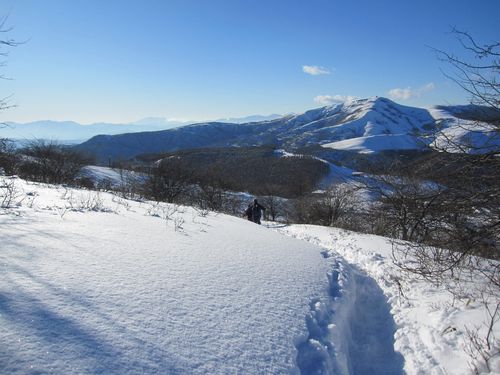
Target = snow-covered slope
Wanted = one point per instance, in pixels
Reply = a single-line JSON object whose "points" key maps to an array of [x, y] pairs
{"points": [[430, 326], [364, 118], [111, 176], [93, 283], [376, 143], [465, 135], [96, 284]]}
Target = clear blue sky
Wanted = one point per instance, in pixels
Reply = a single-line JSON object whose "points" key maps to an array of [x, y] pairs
{"points": [[119, 61]]}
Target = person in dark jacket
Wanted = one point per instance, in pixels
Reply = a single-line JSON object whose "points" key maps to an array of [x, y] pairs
{"points": [[248, 213], [257, 209]]}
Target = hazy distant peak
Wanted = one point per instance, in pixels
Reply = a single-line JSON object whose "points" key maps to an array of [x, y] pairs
{"points": [[160, 121], [251, 118]]}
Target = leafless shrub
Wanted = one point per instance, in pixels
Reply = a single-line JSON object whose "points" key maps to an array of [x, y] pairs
{"points": [[105, 185], [49, 162], [178, 223], [201, 212], [61, 211], [169, 181], [85, 201], [167, 212], [8, 157], [336, 206], [275, 206], [121, 202], [483, 349], [10, 193]]}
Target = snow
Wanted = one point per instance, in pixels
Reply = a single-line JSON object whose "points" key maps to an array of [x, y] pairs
{"points": [[376, 143], [94, 283], [115, 177], [337, 174], [123, 287], [459, 135], [430, 328]]}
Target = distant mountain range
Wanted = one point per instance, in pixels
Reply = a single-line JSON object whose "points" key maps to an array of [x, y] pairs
{"points": [[73, 132], [364, 125], [254, 118]]}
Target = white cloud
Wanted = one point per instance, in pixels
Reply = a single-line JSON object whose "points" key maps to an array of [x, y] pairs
{"points": [[315, 70], [409, 93], [333, 99]]}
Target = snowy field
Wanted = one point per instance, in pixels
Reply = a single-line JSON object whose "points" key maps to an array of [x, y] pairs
{"points": [[95, 284]]}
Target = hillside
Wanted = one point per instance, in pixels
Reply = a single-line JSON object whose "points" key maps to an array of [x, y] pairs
{"points": [[94, 283], [257, 170]]}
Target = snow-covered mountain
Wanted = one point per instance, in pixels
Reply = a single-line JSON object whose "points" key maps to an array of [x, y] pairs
{"points": [[364, 125]]}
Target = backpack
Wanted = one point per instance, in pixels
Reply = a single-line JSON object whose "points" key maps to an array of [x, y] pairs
{"points": [[256, 211]]}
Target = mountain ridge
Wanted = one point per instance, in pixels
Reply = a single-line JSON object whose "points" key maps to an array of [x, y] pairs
{"points": [[364, 121], [321, 125], [68, 131]]}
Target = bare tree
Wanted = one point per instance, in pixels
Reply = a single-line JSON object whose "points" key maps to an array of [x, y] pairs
{"points": [[337, 201], [49, 162], [477, 73], [169, 181], [8, 157], [407, 205], [456, 236], [5, 44]]}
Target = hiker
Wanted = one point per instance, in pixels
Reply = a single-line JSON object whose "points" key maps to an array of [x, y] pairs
{"points": [[248, 213], [257, 209]]}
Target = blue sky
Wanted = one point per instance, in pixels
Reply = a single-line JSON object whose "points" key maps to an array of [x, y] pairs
{"points": [[119, 61]]}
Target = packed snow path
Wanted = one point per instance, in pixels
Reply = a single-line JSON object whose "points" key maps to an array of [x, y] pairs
{"points": [[354, 332], [372, 330], [130, 292]]}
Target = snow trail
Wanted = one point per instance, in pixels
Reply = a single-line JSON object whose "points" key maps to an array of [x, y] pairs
{"points": [[353, 333], [372, 329]]}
